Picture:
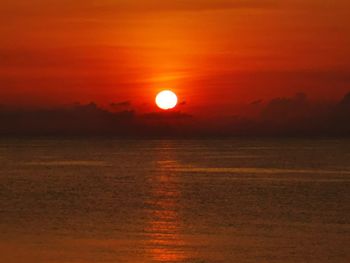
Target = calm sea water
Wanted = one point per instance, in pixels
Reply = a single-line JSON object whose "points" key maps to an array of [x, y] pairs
{"points": [[196, 201]]}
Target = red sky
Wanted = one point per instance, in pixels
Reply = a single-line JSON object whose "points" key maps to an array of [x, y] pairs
{"points": [[213, 54]]}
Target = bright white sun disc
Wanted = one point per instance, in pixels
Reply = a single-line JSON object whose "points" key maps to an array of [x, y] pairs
{"points": [[166, 99]]}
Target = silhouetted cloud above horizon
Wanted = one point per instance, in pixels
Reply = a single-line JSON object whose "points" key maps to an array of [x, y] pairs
{"points": [[286, 116], [121, 104]]}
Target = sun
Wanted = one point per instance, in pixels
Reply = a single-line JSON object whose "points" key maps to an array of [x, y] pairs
{"points": [[166, 99]]}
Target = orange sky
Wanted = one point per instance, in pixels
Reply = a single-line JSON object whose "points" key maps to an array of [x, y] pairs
{"points": [[213, 53]]}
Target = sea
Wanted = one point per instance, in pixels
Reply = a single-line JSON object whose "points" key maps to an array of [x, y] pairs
{"points": [[239, 200]]}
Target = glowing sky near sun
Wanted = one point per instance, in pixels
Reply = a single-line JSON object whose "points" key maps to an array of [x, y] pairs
{"points": [[216, 53]]}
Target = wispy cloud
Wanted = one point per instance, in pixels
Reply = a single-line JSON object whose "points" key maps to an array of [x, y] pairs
{"points": [[184, 5], [123, 7]]}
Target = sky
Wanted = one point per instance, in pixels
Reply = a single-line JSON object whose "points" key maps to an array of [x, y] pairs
{"points": [[216, 55]]}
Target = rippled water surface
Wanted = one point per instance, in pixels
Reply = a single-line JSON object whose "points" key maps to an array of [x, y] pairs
{"points": [[196, 201]]}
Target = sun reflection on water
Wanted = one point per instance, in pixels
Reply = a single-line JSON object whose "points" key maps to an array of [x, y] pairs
{"points": [[165, 241]]}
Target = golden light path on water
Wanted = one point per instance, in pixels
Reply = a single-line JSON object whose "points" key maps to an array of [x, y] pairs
{"points": [[165, 240]]}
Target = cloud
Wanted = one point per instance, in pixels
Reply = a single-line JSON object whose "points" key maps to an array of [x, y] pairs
{"points": [[286, 109], [256, 102], [285, 116], [345, 102], [340, 116], [121, 104], [90, 119], [188, 5], [123, 7], [171, 115], [76, 119]]}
